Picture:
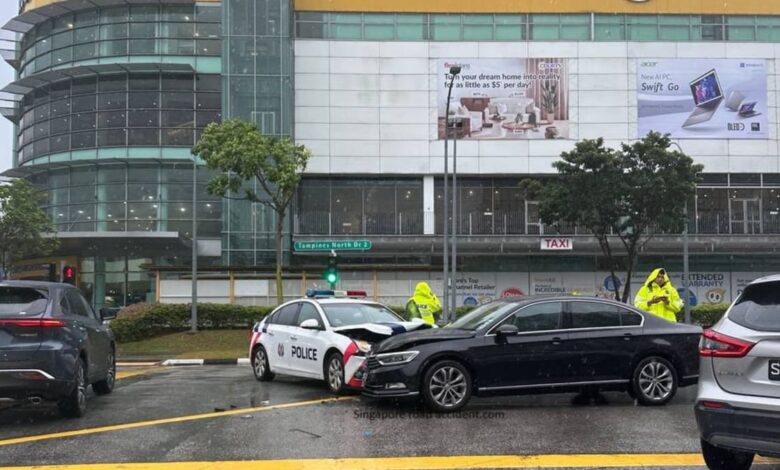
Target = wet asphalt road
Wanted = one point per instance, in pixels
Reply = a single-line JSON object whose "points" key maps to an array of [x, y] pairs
{"points": [[354, 427]]}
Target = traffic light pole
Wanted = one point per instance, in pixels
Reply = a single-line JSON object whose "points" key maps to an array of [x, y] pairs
{"points": [[194, 312]]}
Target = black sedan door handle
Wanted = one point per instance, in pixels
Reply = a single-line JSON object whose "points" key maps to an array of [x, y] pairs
{"points": [[627, 336], [557, 340]]}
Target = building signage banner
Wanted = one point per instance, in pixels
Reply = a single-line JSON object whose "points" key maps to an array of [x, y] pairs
{"points": [[703, 98], [498, 99]]}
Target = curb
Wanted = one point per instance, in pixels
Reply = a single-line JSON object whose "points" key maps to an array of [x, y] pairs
{"points": [[205, 362]]}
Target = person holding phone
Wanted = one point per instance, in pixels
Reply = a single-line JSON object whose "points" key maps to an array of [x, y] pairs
{"points": [[659, 297]]}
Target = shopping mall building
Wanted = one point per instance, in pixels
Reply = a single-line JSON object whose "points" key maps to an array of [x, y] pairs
{"points": [[110, 96]]}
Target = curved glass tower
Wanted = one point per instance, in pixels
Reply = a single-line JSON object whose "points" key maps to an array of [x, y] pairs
{"points": [[109, 99]]}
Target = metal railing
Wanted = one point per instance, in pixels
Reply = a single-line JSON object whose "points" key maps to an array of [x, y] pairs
{"points": [[479, 223]]}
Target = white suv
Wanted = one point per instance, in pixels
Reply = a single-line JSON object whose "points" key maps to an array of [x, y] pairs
{"points": [[738, 404]]}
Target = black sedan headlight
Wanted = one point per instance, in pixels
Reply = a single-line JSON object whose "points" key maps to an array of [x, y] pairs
{"points": [[396, 358]]}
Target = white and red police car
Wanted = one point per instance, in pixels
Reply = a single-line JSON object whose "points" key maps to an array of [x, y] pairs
{"points": [[325, 336]]}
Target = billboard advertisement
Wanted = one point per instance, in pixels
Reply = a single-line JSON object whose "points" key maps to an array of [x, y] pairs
{"points": [[703, 98], [504, 99]]}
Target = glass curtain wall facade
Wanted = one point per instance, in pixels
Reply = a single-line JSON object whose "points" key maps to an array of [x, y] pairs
{"points": [[737, 204], [121, 32], [111, 100], [535, 27], [257, 78]]}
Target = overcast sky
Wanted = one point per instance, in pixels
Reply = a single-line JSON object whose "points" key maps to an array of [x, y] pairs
{"points": [[6, 76]]}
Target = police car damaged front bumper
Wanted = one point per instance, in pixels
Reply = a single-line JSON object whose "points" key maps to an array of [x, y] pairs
{"points": [[370, 334]]}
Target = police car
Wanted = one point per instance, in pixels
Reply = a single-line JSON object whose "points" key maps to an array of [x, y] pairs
{"points": [[325, 336]]}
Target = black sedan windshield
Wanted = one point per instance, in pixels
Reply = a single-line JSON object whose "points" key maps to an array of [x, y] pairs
{"points": [[483, 315]]}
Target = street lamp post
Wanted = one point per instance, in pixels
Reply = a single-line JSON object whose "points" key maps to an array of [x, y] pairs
{"points": [[454, 70], [194, 312], [685, 279], [455, 197]]}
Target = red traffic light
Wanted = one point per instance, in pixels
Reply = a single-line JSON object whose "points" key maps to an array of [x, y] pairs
{"points": [[69, 274]]}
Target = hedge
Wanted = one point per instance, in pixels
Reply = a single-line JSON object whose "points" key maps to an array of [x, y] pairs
{"points": [[141, 321], [704, 315]]}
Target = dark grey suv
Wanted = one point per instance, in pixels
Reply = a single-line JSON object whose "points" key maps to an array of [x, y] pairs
{"points": [[52, 346], [738, 404]]}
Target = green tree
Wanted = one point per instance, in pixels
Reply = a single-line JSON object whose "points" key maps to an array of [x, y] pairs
{"points": [[629, 194], [243, 155], [24, 226]]}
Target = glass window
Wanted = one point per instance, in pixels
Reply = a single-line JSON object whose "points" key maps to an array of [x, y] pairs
{"points": [[112, 101], [411, 27], [208, 100], [445, 27], [609, 28], [178, 137], [78, 305], [143, 191], [177, 100], [143, 13], [143, 118], [178, 82], [510, 27], [60, 125], [177, 119], [629, 318], [143, 137], [357, 313], [83, 103], [740, 28], [84, 51], [83, 140], [114, 15], [113, 83], [642, 27], [287, 315], [483, 316], [143, 46], [594, 315], [84, 85], [83, 121], [204, 118], [108, 119], [308, 312], [378, 32], [145, 82], [111, 174], [674, 28], [112, 138], [145, 99], [538, 317], [757, 307]]}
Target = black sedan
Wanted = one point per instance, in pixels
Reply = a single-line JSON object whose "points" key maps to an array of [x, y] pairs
{"points": [[538, 345]]}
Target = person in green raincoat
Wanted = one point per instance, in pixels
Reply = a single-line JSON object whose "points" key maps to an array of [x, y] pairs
{"points": [[659, 297], [424, 304]]}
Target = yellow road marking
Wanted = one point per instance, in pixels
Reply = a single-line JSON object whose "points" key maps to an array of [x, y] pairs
{"points": [[124, 374], [137, 364], [155, 422], [416, 463]]}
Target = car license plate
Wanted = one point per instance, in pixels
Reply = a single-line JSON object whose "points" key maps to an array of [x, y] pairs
{"points": [[774, 369]]}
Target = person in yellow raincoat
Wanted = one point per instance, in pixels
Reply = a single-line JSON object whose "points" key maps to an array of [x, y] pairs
{"points": [[424, 304], [659, 297]]}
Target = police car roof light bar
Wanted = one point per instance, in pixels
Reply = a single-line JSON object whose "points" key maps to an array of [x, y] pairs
{"points": [[357, 294], [313, 293]]}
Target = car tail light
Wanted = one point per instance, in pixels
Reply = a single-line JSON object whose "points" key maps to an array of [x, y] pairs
{"points": [[714, 344], [714, 405], [38, 323]]}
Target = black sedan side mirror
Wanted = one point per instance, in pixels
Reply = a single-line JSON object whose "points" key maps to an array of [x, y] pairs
{"points": [[107, 313], [507, 330]]}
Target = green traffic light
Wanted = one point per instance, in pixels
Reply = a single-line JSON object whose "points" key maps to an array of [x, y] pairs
{"points": [[331, 277]]}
